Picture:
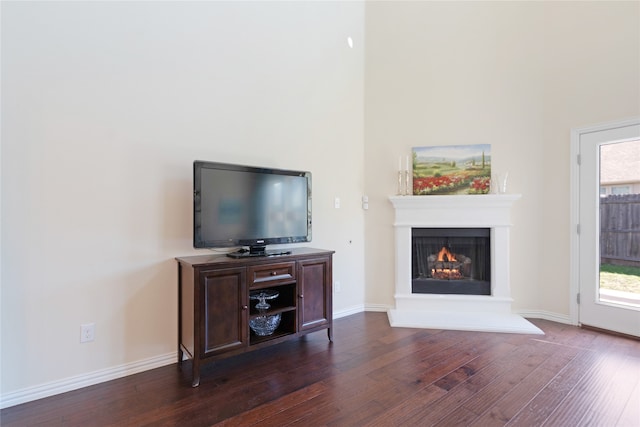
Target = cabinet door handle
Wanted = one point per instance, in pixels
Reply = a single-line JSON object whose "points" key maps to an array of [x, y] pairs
{"points": [[244, 307], [274, 273], [300, 296]]}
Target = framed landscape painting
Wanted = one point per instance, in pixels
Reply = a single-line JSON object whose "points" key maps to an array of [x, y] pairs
{"points": [[452, 169]]}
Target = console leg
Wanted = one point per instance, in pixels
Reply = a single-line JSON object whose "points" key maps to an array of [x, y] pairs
{"points": [[330, 334], [195, 382], [195, 372]]}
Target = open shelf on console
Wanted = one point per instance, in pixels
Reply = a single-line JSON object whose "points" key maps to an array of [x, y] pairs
{"points": [[287, 327], [286, 300]]}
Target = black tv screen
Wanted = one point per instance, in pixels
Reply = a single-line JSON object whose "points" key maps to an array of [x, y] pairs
{"points": [[236, 205]]}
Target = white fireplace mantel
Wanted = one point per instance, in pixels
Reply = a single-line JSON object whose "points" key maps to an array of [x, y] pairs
{"points": [[464, 312]]}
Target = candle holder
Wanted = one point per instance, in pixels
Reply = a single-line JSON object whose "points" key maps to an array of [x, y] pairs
{"points": [[400, 192], [407, 187]]}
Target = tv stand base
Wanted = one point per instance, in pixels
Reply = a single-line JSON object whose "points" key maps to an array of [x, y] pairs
{"points": [[243, 253], [215, 308]]}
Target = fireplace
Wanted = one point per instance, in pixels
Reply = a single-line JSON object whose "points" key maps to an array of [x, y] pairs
{"points": [[428, 293], [454, 261]]}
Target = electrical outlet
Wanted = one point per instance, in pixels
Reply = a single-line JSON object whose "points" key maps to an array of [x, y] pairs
{"points": [[87, 332], [337, 286]]}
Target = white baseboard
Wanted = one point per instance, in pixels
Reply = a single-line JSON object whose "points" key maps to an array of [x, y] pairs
{"points": [[546, 315], [348, 311], [378, 307], [360, 308], [79, 381]]}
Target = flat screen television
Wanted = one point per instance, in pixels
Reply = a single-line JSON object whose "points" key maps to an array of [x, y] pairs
{"points": [[235, 205]]}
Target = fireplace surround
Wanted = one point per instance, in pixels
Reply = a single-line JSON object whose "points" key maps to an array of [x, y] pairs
{"points": [[490, 312]]}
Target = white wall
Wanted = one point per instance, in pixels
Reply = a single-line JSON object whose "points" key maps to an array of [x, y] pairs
{"points": [[516, 75], [105, 106]]}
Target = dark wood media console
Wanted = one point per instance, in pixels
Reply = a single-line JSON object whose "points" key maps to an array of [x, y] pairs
{"points": [[214, 308]]}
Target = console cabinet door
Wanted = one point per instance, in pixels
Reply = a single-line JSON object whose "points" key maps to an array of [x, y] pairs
{"points": [[224, 311], [314, 287]]}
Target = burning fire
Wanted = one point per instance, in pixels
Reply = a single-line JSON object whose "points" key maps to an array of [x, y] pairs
{"points": [[446, 269], [445, 255]]}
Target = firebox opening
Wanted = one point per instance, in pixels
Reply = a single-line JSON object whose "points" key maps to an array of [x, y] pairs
{"points": [[451, 261]]}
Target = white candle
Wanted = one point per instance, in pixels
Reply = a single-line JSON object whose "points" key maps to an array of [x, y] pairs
{"points": [[400, 163], [407, 163]]}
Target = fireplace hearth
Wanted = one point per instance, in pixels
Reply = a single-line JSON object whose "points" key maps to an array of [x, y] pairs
{"points": [[466, 286]]}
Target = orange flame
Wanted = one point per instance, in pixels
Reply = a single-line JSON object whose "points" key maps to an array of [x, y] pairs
{"points": [[445, 255]]}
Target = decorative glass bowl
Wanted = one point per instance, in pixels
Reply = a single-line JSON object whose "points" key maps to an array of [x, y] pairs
{"points": [[264, 324]]}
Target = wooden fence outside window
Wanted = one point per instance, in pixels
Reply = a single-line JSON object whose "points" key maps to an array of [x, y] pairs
{"points": [[620, 230]]}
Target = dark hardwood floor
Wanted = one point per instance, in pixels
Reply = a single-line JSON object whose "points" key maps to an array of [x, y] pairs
{"points": [[376, 375]]}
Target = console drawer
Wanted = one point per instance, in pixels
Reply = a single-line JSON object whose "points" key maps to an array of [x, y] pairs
{"points": [[271, 274]]}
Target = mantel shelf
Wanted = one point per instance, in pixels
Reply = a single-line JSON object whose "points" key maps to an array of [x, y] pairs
{"points": [[462, 201], [483, 210]]}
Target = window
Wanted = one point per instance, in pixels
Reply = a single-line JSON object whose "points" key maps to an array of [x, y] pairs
{"points": [[621, 189]]}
